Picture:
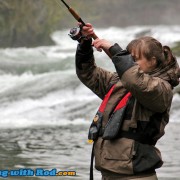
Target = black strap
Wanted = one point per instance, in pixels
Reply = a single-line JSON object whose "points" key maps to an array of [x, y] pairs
{"points": [[140, 137], [91, 165], [131, 135]]}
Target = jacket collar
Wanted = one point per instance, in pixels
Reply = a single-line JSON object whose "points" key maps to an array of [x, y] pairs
{"points": [[170, 73]]}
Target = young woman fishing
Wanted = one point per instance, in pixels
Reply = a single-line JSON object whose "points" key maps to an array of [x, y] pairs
{"points": [[136, 104]]}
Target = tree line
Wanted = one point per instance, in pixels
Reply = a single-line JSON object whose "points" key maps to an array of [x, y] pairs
{"points": [[30, 22]]}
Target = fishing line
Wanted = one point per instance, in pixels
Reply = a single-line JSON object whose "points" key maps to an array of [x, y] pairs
{"points": [[64, 10]]}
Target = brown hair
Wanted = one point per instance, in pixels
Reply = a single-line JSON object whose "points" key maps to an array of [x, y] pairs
{"points": [[150, 47]]}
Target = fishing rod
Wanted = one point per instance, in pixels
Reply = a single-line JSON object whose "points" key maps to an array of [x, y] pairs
{"points": [[75, 33]]}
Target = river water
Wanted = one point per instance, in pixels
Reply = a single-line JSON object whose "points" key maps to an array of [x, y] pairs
{"points": [[46, 111]]}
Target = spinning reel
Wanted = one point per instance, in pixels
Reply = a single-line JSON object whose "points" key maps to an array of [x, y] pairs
{"points": [[75, 34]]}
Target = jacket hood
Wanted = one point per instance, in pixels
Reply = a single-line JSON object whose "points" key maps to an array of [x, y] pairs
{"points": [[170, 73]]}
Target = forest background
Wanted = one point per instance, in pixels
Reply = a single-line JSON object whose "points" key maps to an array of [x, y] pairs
{"points": [[30, 22]]}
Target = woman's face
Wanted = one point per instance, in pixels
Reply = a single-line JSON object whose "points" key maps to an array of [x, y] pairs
{"points": [[145, 64]]}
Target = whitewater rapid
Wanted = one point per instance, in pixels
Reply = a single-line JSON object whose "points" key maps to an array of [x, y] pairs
{"points": [[39, 86]]}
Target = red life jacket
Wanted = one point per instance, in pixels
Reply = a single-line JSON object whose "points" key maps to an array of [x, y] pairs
{"points": [[115, 121]]}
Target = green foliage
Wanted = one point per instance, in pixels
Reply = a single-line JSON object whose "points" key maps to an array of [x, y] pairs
{"points": [[30, 22]]}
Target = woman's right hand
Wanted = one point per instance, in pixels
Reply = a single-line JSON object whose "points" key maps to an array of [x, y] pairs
{"points": [[87, 30], [99, 44]]}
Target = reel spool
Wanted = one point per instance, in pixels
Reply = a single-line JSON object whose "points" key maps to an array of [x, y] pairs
{"points": [[75, 33]]}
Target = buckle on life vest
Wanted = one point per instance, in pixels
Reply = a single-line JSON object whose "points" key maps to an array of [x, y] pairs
{"points": [[95, 126], [96, 118]]}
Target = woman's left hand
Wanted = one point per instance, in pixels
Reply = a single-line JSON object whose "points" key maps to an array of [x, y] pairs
{"points": [[100, 44]]}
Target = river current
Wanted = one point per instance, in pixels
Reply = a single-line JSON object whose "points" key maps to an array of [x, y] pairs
{"points": [[46, 111]]}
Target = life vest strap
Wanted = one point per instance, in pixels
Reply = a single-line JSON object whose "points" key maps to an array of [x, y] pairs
{"points": [[105, 100], [123, 102], [120, 105]]}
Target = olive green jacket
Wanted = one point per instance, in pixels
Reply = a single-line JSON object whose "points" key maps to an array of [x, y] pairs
{"points": [[150, 112]]}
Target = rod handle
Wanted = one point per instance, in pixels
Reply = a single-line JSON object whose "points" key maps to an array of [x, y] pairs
{"points": [[76, 16]]}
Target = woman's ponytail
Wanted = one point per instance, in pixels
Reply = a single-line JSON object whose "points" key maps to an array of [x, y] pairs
{"points": [[168, 55], [170, 58]]}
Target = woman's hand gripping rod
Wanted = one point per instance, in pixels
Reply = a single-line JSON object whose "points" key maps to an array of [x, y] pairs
{"points": [[75, 32]]}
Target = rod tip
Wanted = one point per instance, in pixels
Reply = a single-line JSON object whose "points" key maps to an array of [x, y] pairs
{"points": [[65, 4]]}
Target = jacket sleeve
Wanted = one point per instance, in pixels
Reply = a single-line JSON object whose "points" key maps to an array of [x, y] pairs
{"points": [[153, 93], [95, 78]]}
